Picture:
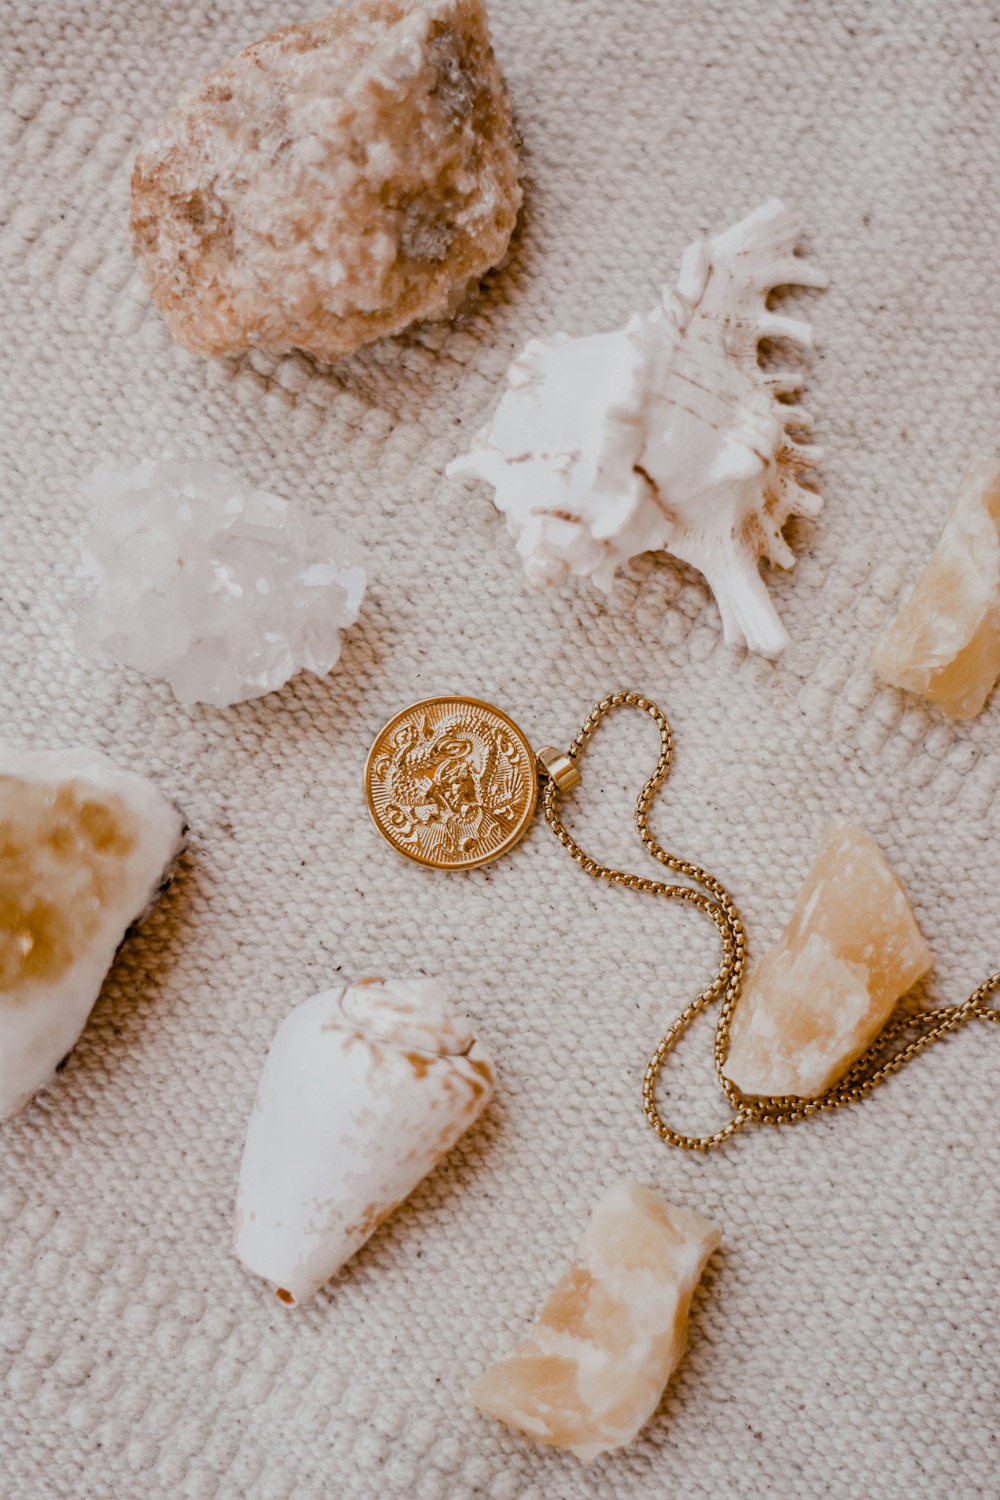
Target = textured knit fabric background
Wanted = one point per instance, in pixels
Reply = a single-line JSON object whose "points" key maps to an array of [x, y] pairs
{"points": [[844, 1342]]}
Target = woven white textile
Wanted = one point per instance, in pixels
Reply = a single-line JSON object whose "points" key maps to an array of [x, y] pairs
{"points": [[845, 1341]]}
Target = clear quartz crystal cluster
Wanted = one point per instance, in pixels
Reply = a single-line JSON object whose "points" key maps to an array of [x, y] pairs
{"points": [[224, 590], [590, 1371], [333, 183]]}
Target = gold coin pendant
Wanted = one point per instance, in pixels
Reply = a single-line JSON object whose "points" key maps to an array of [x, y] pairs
{"points": [[451, 782]]}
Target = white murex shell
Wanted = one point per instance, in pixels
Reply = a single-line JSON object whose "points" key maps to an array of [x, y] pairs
{"points": [[665, 435], [365, 1089]]}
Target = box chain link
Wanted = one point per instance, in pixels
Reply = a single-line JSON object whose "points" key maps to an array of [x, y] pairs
{"points": [[710, 896]]}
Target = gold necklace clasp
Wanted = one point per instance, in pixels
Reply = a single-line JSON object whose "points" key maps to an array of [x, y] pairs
{"points": [[558, 767]]}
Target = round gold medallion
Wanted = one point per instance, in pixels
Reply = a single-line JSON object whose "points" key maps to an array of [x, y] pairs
{"points": [[451, 782]]}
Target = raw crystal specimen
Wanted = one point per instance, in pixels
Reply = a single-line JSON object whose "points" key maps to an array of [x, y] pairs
{"points": [[365, 1089], [666, 434], [335, 182], [591, 1369], [945, 641], [819, 999], [84, 850], [224, 590]]}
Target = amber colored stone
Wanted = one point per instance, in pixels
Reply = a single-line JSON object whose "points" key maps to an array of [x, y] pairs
{"points": [[945, 642], [84, 849], [821, 996], [335, 182], [63, 855], [592, 1367]]}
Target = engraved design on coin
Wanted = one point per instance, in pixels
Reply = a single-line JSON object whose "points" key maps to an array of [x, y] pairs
{"points": [[451, 782]]}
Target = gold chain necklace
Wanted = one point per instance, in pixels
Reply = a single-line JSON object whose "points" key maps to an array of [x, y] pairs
{"points": [[452, 782]]}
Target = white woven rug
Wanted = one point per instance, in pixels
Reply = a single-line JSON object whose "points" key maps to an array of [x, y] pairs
{"points": [[845, 1342]]}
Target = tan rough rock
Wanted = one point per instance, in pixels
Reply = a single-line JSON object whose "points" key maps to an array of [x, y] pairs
{"points": [[333, 183], [945, 642], [591, 1370], [821, 996]]}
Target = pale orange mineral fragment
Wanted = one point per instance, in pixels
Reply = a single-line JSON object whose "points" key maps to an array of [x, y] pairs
{"points": [[592, 1367], [336, 181], [819, 999], [945, 642]]}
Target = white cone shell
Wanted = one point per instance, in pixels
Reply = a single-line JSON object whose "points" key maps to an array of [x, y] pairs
{"points": [[41, 1022], [364, 1090]]}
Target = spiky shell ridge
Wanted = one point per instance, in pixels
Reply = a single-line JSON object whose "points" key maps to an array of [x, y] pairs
{"points": [[667, 434]]}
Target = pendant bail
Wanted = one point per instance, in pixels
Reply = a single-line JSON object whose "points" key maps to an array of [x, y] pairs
{"points": [[558, 766]]}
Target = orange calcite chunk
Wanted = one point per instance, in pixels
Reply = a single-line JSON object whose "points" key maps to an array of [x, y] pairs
{"points": [[945, 642], [820, 998], [591, 1369]]}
